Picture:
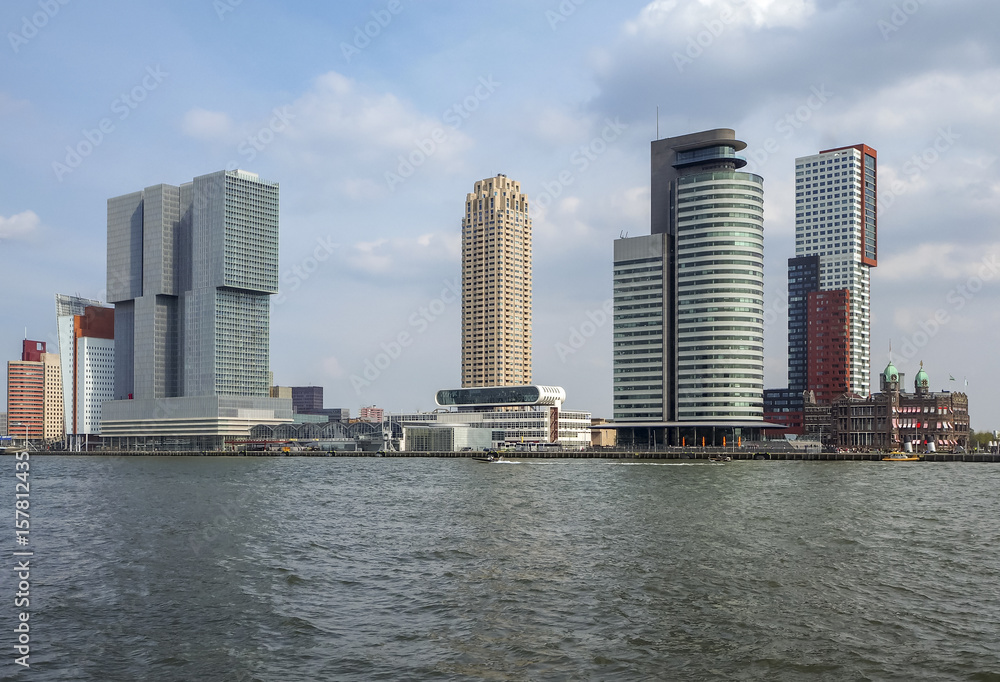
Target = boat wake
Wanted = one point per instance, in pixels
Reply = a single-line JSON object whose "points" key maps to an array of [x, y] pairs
{"points": [[669, 464]]}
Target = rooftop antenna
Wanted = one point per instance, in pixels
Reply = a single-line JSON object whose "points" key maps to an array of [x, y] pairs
{"points": [[657, 121]]}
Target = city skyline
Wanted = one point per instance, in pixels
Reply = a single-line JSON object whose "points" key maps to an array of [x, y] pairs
{"points": [[374, 141]]}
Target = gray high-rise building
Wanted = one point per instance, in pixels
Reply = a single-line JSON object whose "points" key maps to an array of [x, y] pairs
{"points": [[688, 329], [190, 272]]}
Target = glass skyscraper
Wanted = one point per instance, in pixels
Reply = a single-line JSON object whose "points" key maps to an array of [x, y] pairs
{"points": [[688, 330], [191, 269]]}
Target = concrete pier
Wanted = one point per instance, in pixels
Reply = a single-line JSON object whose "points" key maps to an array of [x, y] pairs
{"points": [[672, 454]]}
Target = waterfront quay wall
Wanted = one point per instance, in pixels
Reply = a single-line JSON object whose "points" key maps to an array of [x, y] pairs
{"points": [[627, 455]]}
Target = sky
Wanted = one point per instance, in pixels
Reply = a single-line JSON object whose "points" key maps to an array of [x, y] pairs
{"points": [[377, 118]]}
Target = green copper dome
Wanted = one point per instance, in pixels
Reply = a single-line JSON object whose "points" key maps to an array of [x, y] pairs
{"points": [[922, 378], [891, 373]]}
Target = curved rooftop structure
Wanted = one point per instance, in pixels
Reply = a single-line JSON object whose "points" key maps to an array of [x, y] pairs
{"points": [[501, 396]]}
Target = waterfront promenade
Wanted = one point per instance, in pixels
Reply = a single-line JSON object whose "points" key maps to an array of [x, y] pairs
{"points": [[673, 454]]}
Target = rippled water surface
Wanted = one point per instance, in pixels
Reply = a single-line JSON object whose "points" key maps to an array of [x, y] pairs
{"points": [[422, 569]]}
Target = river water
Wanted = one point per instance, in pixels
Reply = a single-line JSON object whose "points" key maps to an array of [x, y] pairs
{"points": [[241, 569]]}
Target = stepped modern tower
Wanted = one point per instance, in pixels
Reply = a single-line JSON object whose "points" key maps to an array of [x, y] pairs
{"points": [[190, 272], [496, 285], [688, 330], [836, 246]]}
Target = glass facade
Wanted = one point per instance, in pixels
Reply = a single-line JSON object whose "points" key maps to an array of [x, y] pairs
{"points": [[501, 395], [190, 271], [803, 279], [639, 332], [720, 296], [689, 298]]}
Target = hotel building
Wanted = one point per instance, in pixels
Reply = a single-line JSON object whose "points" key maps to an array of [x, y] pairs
{"points": [[893, 419], [496, 285], [688, 329], [191, 269]]}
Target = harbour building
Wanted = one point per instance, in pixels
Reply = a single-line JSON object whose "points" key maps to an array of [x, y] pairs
{"points": [[191, 270], [496, 285], [688, 299]]}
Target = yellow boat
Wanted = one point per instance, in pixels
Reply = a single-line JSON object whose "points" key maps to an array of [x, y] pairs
{"points": [[902, 457]]}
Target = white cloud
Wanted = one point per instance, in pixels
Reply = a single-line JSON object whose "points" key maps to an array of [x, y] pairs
{"points": [[9, 105], [338, 111], [558, 127], [400, 257], [343, 136], [918, 105], [332, 367], [19, 225], [942, 261], [716, 16], [207, 125]]}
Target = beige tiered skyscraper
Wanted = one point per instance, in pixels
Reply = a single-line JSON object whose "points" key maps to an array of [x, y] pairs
{"points": [[496, 285]]}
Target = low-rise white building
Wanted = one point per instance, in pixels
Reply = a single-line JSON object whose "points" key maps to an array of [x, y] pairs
{"points": [[513, 415]]}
